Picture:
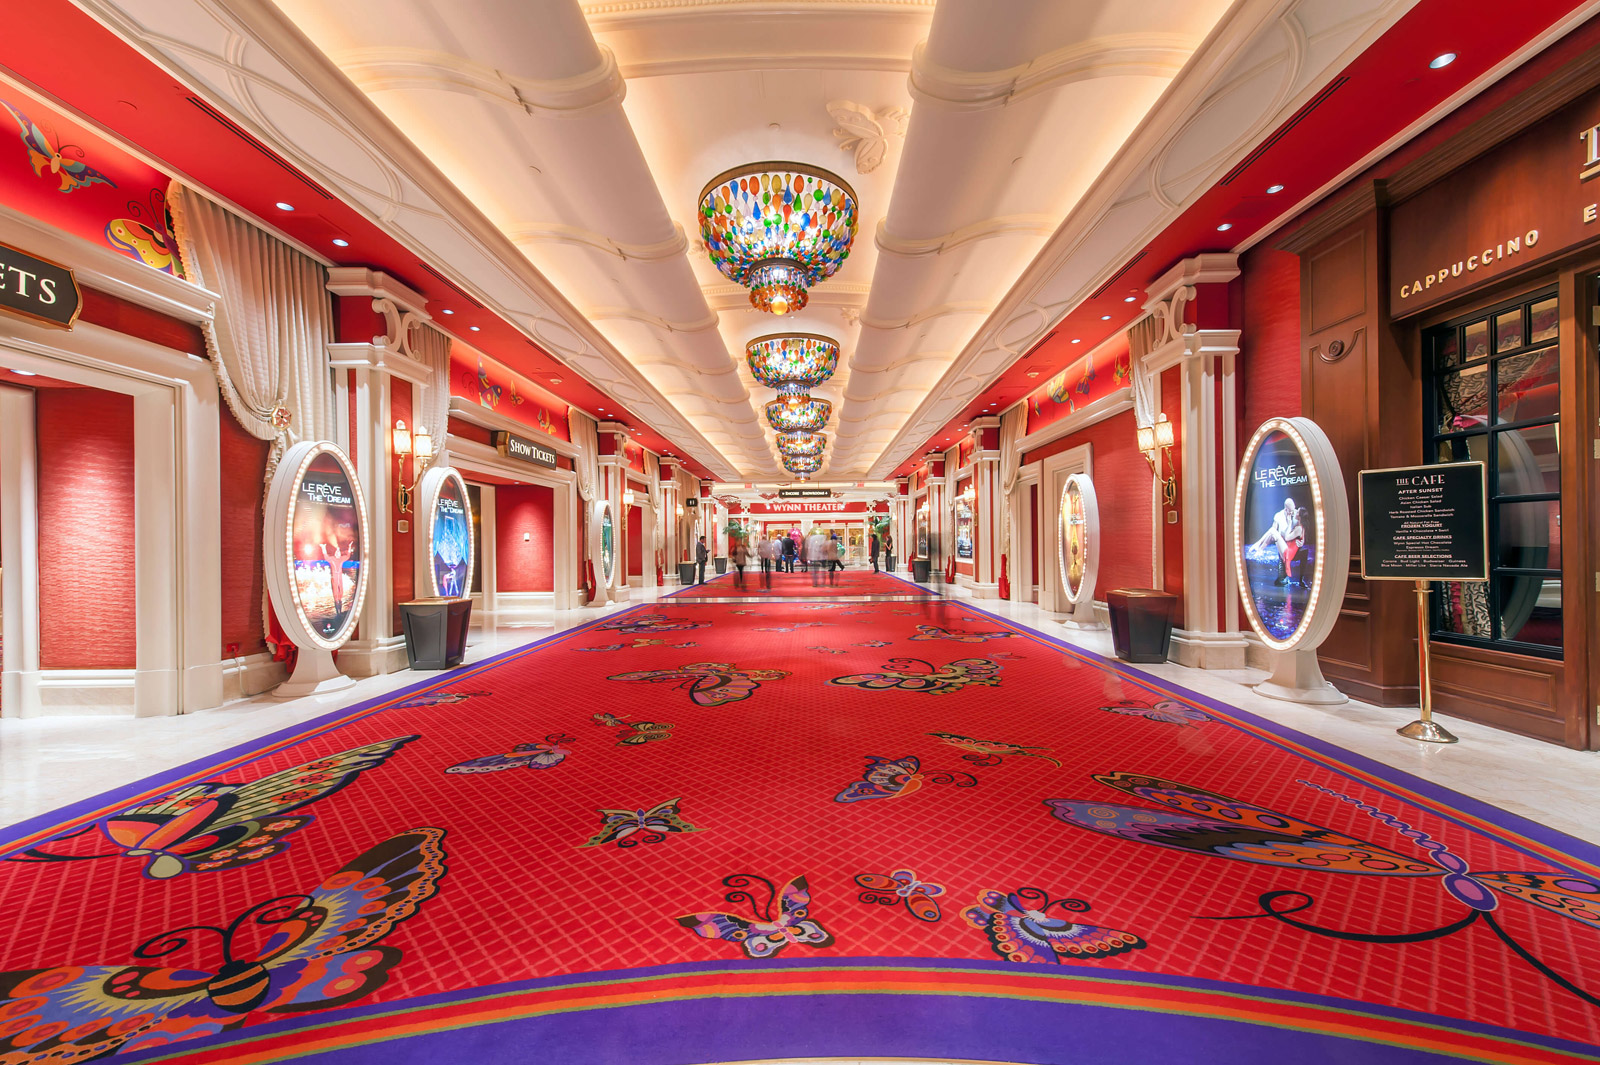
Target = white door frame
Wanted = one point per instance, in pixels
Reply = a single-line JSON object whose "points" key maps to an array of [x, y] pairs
{"points": [[1024, 534], [1053, 474], [177, 527]]}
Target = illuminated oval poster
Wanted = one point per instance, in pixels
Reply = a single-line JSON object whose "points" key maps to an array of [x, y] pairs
{"points": [[608, 542], [321, 574], [449, 516]]}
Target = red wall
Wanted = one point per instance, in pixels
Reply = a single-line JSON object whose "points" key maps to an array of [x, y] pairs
{"points": [[524, 565], [402, 544], [1122, 487], [244, 465], [636, 541], [86, 533], [1269, 362]]}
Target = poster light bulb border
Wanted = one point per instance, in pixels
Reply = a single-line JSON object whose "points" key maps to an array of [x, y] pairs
{"points": [[433, 483], [284, 589], [1091, 552], [1331, 508]]}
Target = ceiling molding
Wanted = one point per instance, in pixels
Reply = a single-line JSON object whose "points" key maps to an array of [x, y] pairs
{"points": [[397, 68], [629, 314], [1032, 225], [866, 133], [555, 233], [944, 310], [607, 10], [1157, 55]]}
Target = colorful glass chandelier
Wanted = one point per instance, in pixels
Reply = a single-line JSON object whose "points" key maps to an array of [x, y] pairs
{"points": [[792, 362], [798, 413], [777, 229], [802, 465], [802, 445]]}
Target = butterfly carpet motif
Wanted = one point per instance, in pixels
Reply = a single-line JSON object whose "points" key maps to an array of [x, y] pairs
{"points": [[936, 632], [764, 933], [989, 752], [1197, 821], [537, 755], [904, 674], [892, 778], [1167, 711], [321, 949], [901, 886], [633, 733], [215, 824], [1021, 929], [629, 828], [708, 683]]}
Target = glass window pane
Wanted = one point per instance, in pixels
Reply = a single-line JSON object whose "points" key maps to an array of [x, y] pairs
{"points": [[1529, 386], [1530, 610], [1446, 349], [1475, 344], [1530, 535], [1461, 608], [1463, 399], [1545, 322], [1530, 461], [1508, 330]]}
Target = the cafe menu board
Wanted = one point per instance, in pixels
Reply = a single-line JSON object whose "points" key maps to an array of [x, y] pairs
{"points": [[1425, 523]]}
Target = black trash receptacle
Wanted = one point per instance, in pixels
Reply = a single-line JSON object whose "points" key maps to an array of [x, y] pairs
{"points": [[686, 573], [436, 631], [1141, 623], [721, 562], [921, 570]]}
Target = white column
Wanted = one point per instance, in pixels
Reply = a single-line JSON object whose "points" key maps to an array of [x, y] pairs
{"points": [[19, 548]]}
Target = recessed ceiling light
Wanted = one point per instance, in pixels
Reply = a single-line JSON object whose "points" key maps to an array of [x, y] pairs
{"points": [[1077, 340], [24, 373], [555, 380], [285, 206], [1273, 190], [1105, 318], [340, 242], [447, 310], [1129, 299], [1443, 60], [474, 328], [1224, 227]]}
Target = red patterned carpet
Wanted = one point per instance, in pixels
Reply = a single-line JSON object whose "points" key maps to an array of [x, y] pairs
{"points": [[841, 583], [706, 832]]}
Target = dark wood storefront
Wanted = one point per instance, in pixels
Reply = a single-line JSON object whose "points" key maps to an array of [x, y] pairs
{"points": [[1448, 308]]}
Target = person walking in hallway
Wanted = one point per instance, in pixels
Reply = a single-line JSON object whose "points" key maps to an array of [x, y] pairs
{"points": [[789, 551], [888, 550], [700, 556], [872, 548], [741, 555]]}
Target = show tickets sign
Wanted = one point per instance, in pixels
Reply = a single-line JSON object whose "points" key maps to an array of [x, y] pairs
{"points": [[513, 446], [38, 289], [1425, 523], [1524, 201]]}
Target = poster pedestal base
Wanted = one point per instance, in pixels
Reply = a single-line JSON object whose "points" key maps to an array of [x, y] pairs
{"points": [[1297, 678], [1083, 620], [314, 674]]}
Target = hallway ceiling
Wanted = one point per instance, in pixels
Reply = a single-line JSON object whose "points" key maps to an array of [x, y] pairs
{"points": [[1005, 155]]}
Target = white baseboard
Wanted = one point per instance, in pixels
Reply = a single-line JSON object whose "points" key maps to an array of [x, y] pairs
{"points": [[76, 692], [373, 658], [519, 608], [251, 675], [1208, 650]]}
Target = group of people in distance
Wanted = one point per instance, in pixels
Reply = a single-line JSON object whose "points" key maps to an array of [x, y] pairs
{"points": [[818, 554]]}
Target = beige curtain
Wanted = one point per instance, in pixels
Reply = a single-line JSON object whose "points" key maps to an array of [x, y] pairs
{"points": [[1012, 423], [1143, 336], [432, 348], [585, 434], [269, 339]]}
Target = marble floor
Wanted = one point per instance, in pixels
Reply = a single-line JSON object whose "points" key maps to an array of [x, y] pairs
{"points": [[47, 763]]}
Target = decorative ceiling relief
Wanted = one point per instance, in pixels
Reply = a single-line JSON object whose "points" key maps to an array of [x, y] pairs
{"points": [[866, 132]]}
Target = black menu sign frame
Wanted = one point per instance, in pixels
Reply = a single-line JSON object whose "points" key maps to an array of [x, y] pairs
{"points": [[1425, 523]]}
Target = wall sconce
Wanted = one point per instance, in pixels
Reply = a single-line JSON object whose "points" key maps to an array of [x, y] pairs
{"points": [[1159, 437], [627, 497], [968, 494], [680, 510], [419, 445]]}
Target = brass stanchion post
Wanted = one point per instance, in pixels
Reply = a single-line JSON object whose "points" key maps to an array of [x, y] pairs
{"points": [[1425, 728]]}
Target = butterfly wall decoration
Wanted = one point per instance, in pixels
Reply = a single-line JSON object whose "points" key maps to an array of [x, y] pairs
{"points": [[894, 778], [215, 824], [488, 392], [1167, 711], [641, 624], [1196, 821], [901, 886], [629, 828], [143, 243], [540, 755], [1021, 928], [43, 155], [989, 752], [936, 632], [902, 673], [633, 733], [764, 933], [708, 683], [319, 950]]}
